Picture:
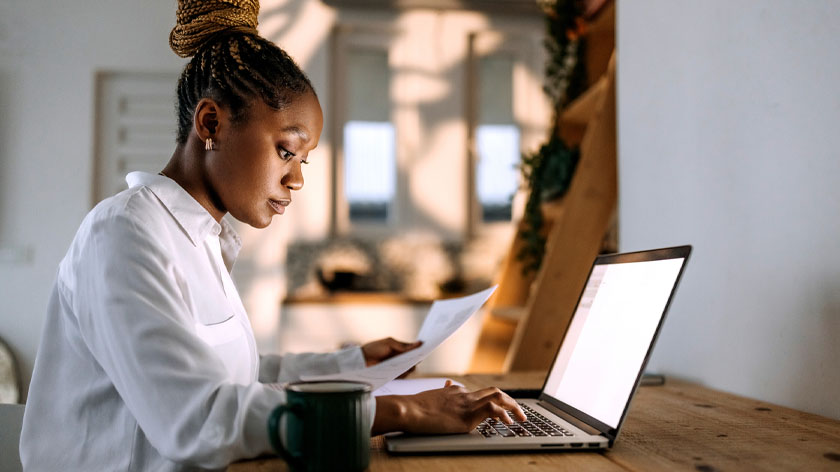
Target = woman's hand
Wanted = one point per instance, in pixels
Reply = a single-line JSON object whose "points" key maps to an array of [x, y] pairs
{"points": [[378, 351], [451, 409]]}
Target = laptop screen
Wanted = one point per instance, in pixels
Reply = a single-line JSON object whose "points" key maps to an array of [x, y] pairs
{"points": [[610, 334]]}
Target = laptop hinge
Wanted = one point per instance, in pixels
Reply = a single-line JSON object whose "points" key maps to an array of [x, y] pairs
{"points": [[571, 419]]}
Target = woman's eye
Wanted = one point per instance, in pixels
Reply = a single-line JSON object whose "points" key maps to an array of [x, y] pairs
{"points": [[284, 154]]}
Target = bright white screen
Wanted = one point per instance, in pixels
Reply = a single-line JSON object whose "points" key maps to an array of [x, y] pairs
{"points": [[610, 334]]}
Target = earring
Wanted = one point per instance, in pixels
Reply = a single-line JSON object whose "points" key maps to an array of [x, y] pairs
{"points": [[209, 145]]}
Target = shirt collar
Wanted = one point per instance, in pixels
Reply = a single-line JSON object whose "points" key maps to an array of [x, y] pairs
{"points": [[193, 218]]}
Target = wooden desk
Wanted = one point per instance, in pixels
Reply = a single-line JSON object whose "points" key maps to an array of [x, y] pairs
{"points": [[678, 426]]}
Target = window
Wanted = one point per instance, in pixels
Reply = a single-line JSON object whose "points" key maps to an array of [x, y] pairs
{"points": [[369, 169], [507, 115], [369, 140], [496, 173], [497, 138]]}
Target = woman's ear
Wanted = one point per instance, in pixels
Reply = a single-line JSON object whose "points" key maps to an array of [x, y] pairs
{"points": [[208, 119]]}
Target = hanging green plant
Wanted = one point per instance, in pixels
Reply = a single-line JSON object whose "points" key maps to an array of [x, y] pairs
{"points": [[565, 76], [549, 171]]}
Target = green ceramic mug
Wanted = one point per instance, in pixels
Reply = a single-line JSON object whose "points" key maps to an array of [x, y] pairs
{"points": [[327, 426]]}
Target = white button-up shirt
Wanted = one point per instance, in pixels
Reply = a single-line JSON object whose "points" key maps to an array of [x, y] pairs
{"points": [[147, 360]]}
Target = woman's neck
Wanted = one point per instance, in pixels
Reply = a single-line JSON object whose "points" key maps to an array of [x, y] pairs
{"points": [[186, 167]]}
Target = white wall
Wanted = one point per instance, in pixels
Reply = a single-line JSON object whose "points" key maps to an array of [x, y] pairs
{"points": [[729, 115], [49, 54]]}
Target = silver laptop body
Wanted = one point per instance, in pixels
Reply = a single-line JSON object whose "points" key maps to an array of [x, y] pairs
{"points": [[596, 370]]}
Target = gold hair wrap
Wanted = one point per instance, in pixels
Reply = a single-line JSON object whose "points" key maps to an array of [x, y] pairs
{"points": [[198, 20]]}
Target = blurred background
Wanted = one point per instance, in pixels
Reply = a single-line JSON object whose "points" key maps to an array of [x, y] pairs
{"points": [[717, 127]]}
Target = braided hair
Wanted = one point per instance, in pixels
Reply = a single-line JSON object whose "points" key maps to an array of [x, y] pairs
{"points": [[231, 63]]}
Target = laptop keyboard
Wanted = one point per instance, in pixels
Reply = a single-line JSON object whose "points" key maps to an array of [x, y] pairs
{"points": [[535, 425]]}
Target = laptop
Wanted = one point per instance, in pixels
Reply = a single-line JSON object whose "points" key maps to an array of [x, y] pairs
{"points": [[596, 370]]}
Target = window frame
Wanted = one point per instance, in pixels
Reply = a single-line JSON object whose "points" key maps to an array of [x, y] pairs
{"points": [[346, 38], [527, 54]]}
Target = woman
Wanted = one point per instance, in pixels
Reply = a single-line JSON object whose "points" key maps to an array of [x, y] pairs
{"points": [[147, 360]]}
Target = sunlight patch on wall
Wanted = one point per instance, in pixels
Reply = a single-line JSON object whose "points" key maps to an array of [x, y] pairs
{"points": [[300, 27], [439, 167]]}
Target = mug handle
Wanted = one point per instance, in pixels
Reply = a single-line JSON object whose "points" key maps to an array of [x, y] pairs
{"points": [[296, 461]]}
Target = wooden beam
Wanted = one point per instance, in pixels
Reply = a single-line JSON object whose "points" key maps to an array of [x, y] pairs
{"points": [[573, 243]]}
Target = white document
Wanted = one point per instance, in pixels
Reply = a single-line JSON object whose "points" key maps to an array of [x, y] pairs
{"points": [[412, 386], [444, 318]]}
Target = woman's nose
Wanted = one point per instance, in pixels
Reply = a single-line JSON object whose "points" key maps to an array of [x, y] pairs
{"points": [[293, 179]]}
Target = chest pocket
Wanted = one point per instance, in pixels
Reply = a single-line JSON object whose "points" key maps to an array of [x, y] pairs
{"points": [[230, 342], [215, 315]]}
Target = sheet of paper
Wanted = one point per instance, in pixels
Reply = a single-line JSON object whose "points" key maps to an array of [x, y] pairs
{"points": [[444, 318], [411, 386]]}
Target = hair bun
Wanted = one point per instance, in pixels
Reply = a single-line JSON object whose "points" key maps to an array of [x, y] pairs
{"points": [[198, 20]]}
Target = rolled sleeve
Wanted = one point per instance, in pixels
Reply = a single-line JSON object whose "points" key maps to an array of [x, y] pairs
{"points": [[290, 367]]}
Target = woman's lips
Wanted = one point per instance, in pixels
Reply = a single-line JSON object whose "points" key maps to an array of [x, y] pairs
{"points": [[279, 206]]}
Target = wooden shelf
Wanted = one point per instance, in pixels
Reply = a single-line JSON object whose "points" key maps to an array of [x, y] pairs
{"points": [[356, 298], [364, 298], [509, 313]]}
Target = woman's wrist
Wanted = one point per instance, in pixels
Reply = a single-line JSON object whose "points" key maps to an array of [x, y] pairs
{"points": [[391, 414]]}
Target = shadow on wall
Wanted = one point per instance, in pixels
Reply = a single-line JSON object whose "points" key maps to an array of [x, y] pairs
{"points": [[5, 158], [285, 14], [819, 359], [5, 119]]}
